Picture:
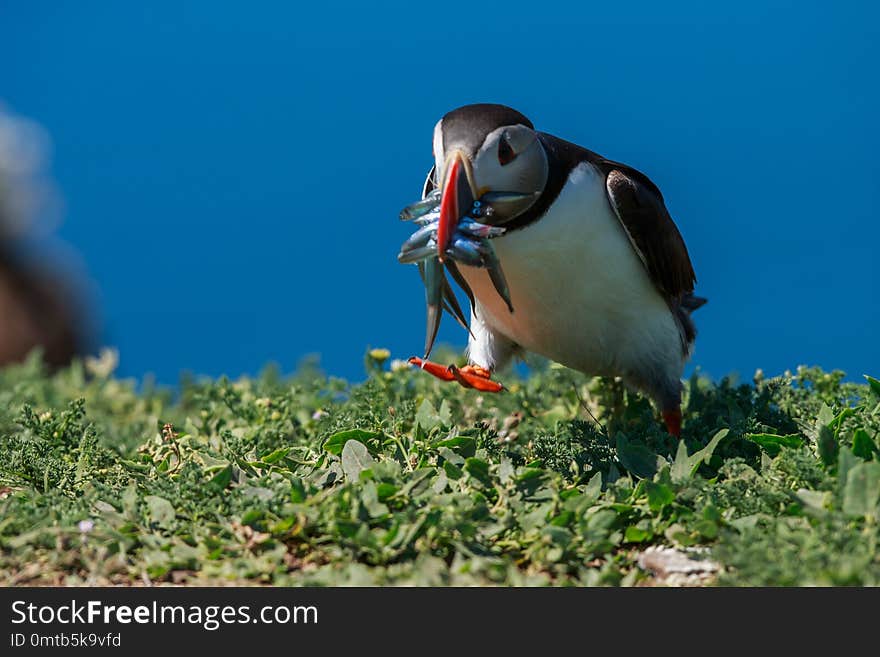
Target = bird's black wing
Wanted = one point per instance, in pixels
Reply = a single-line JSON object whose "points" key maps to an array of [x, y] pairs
{"points": [[642, 213], [639, 206]]}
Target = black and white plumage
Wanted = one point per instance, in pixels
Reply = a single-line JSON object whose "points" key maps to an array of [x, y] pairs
{"points": [[599, 276]]}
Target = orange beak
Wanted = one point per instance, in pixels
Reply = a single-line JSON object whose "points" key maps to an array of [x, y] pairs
{"points": [[455, 202]]}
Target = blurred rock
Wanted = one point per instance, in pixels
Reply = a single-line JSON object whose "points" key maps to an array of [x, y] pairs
{"points": [[33, 313], [672, 567], [41, 301]]}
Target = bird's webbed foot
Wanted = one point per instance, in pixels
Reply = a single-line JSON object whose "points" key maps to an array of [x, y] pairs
{"points": [[469, 376]]}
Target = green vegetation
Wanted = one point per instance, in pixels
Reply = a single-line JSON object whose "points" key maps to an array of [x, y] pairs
{"points": [[405, 480]]}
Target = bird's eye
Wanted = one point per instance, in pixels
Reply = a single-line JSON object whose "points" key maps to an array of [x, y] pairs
{"points": [[506, 154]]}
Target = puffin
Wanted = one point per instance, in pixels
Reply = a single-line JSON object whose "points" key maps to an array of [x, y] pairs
{"points": [[599, 277]]}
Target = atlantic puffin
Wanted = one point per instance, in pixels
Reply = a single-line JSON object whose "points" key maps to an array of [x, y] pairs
{"points": [[599, 276]]}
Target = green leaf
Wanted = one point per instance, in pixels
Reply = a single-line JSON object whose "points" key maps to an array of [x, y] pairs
{"points": [[445, 413], [563, 519], [130, 501], [703, 455], [814, 499], [417, 481], [298, 492], [681, 466], [427, 416], [528, 473], [825, 416], [827, 445], [861, 494], [712, 512], [840, 417], [252, 516], [452, 471], [448, 455], [746, 522], [684, 467], [862, 445], [355, 459], [276, 456], [773, 444], [505, 470], [558, 535], [659, 495], [826, 442], [222, 478], [462, 445], [336, 442], [874, 384], [370, 500], [134, 465], [385, 490], [846, 461], [708, 529], [161, 511], [636, 457], [594, 488], [479, 470], [635, 534]]}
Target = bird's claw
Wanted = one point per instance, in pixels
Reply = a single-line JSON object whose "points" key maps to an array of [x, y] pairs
{"points": [[469, 376]]}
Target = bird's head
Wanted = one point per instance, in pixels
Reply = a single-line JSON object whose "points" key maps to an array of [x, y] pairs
{"points": [[489, 152]]}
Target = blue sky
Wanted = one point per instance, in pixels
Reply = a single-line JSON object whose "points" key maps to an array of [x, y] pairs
{"points": [[232, 174]]}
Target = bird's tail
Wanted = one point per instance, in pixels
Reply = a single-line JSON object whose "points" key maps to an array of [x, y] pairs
{"points": [[691, 303], [682, 311]]}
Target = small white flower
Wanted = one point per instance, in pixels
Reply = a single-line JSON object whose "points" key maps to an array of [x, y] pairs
{"points": [[85, 526], [399, 365]]}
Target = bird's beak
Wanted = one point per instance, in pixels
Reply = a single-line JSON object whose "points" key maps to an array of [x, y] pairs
{"points": [[456, 200]]}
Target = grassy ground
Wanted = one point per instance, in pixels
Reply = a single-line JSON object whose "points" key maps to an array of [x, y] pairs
{"points": [[403, 480]]}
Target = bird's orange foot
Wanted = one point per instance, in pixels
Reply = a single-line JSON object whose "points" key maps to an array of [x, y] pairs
{"points": [[469, 376], [672, 418]]}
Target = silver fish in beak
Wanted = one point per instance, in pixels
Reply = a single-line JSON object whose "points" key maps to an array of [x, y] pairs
{"points": [[454, 223], [420, 208]]}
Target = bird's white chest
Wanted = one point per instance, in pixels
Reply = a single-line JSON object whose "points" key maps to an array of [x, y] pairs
{"points": [[580, 294]]}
